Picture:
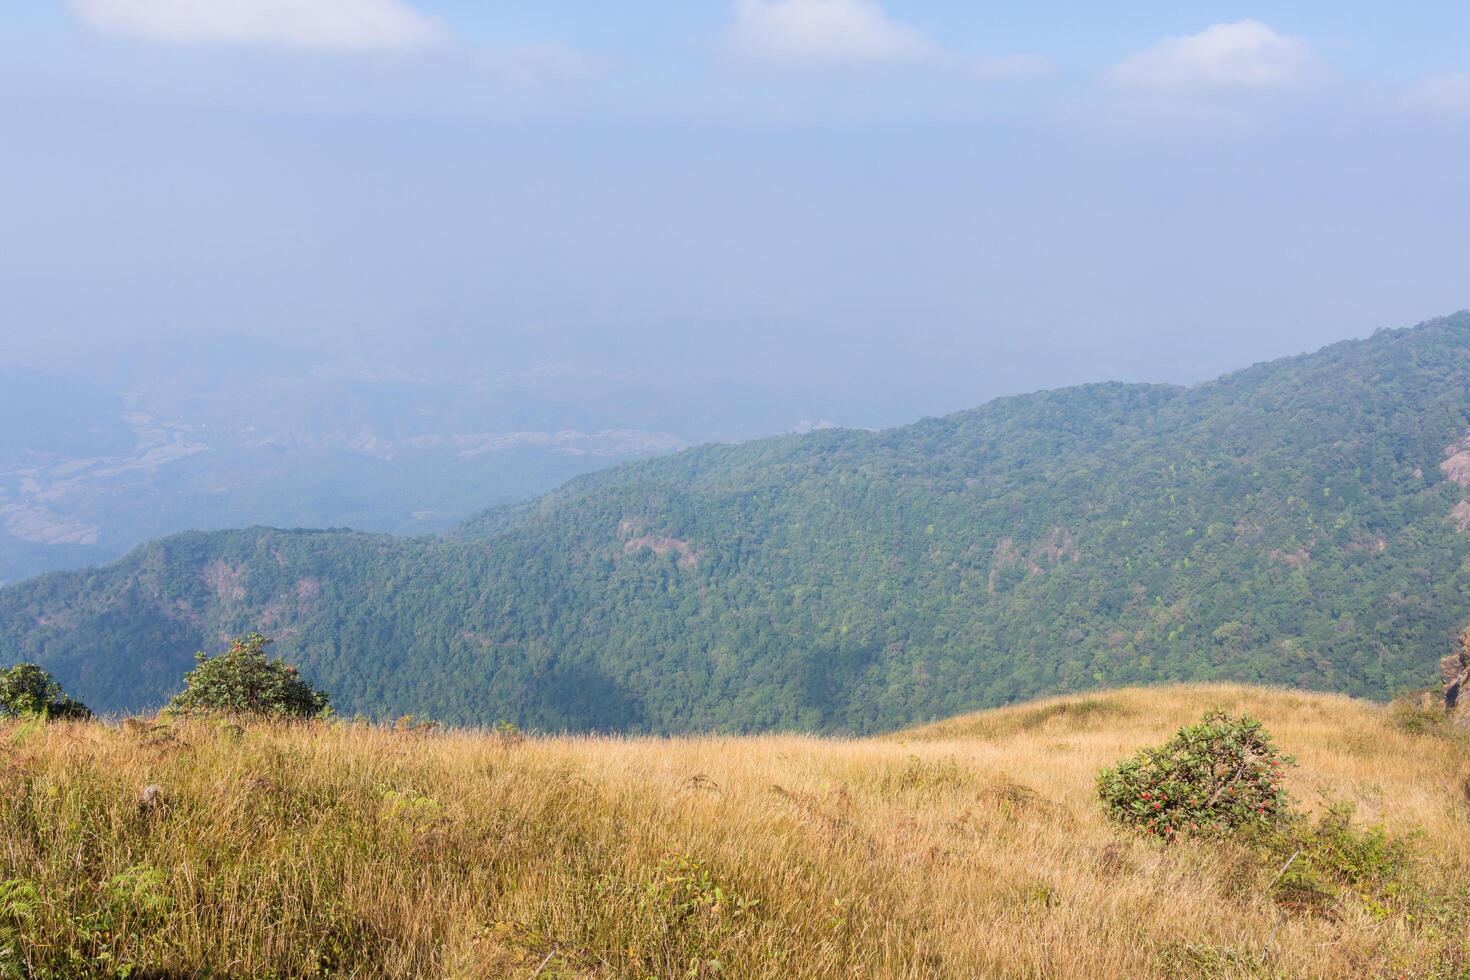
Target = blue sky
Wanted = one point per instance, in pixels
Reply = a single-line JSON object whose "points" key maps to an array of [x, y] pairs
{"points": [[958, 199]]}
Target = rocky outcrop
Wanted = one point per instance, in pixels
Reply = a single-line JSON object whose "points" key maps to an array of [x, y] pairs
{"points": [[1456, 468], [1455, 671], [152, 800], [659, 544]]}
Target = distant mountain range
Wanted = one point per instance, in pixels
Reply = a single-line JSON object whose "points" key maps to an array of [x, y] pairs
{"points": [[1304, 521]]}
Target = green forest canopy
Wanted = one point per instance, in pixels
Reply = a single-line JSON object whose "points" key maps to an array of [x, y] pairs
{"points": [[1290, 523]]}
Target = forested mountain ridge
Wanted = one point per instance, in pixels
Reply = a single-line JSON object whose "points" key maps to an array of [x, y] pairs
{"points": [[1295, 522]]}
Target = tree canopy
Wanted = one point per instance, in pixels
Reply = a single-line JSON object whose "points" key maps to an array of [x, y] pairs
{"points": [[1302, 522], [245, 681], [26, 689]]}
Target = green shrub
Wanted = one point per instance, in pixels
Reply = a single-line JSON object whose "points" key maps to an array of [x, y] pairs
{"points": [[26, 689], [1422, 713], [1331, 860], [692, 918], [1214, 777], [244, 681]]}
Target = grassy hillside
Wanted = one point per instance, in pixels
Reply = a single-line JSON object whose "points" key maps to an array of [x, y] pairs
{"points": [[974, 847], [1302, 522]]}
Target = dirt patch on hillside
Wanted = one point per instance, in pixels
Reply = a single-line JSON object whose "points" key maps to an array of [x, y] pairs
{"points": [[226, 580], [1456, 464], [1456, 468], [1058, 546], [1298, 559], [633, 529], [661, 545], [1006, 554], [1373, 544], [292, 606]]}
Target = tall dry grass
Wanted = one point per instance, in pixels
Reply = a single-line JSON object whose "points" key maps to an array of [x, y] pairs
{"points": [[971, 848]]}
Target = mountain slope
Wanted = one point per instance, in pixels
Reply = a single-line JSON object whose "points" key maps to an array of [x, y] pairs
{"points": [[1290, 523]]}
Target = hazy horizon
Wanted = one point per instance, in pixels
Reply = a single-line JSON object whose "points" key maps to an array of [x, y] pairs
{"points": [[966, 202], [353, 227]]}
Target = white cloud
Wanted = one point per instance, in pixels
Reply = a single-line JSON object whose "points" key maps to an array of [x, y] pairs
{"points": [[1244, 55], [824, 33], [339, 24], [1442, 93]]}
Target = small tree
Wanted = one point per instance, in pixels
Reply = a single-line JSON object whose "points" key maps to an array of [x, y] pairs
{"points": [[1215, 777], [244, 681], [26, 689]]}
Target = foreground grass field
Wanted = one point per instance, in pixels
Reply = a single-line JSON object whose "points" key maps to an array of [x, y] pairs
{"points": [[970, 848]]}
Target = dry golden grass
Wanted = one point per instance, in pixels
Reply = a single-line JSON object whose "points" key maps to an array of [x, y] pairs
{"points": [[970, 848]]}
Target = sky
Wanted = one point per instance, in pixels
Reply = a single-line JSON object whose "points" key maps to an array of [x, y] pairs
{"points": [[912, 205]]}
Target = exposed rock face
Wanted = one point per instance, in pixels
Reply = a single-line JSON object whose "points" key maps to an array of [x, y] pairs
{"points": [[227, 581], [659, 544], [152, 800], [1456, 468], [1456, 464], [1455, 670], [662, 545]]}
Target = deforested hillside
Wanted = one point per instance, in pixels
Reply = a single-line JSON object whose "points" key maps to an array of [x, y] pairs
{"points": [[1300, 522], [973, 849]]}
